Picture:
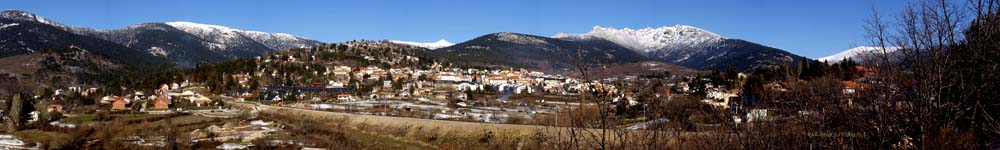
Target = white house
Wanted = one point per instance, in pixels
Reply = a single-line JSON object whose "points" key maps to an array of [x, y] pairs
{"points": [[464, 86]]}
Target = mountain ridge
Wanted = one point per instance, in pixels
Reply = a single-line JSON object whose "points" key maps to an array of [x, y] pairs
{"points": [[690, 46], [187, 44], [30, 37]]}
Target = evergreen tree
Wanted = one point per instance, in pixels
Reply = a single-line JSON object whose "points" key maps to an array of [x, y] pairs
{"points": [[801, 68], [254, 83], [212, 84], [228, 83]]}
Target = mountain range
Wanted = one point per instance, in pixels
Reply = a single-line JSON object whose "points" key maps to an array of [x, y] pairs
{"points": [[185, 44]]}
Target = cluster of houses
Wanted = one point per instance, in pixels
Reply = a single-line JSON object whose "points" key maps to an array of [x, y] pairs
{"points": [[344, 83], [161, 100], [433, 80]]}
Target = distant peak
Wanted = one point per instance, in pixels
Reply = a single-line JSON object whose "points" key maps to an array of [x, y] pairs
{"points": [[856, 52], [442, 41]]}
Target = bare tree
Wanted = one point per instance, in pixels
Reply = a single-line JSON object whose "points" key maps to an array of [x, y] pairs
{"points": [[932, 92]]}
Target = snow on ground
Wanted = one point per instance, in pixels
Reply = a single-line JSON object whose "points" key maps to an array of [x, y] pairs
{"points": [[11, 142], [63, 125], [228, 146], [322, 106]]}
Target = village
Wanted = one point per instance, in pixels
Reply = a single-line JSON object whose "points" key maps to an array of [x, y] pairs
{"points": [[304, 79], [497, 75]]}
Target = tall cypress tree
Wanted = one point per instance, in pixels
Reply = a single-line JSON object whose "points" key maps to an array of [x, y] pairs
{"points": [[16, 106]]}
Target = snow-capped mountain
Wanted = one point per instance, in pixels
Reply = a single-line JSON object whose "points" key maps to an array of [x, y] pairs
{"points": [[220, 36], [185, 43], [25, 33], [673, 38], [439, 44], [185, 49], [690, 47], [857, 53]]}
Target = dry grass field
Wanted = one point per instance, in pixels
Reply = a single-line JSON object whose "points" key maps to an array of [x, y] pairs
{"points": [[442, 134]]}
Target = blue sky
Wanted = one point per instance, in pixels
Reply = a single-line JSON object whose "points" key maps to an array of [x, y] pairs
{"points": [[812, 28]]}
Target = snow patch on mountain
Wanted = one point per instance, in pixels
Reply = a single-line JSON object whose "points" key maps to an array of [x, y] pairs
{"points": [[157, 51], [439, 44], [7, 25], [677, 37], [856, 52]]}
